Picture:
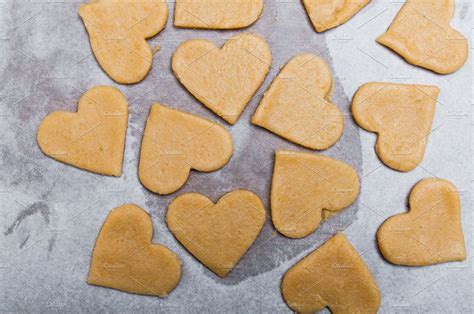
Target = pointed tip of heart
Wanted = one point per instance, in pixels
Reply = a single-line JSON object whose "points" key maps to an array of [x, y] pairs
{"points": [[324, 19], [222, 272]]}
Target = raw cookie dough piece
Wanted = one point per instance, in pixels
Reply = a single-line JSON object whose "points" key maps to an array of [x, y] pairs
{"points": [[118, 30], [335, 276], [216, 14], [175, 142], [298, 107], [326, 14], [421, 34], [92, 139], [125, 259], [431, 232], [401, 115], [307, 188], [217, 234], [225, 79]]}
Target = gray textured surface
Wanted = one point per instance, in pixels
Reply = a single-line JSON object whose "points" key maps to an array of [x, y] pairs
{"points": [[51, 213]]}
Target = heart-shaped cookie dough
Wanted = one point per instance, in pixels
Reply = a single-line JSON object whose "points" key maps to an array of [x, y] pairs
{"points": [[421, 34], [217, 234], [307, 188], [175, 142], [401, 115], [431, 232], [216, 14], [125, 259], [92, 139], [225, 79], [118, 30], [298, 107], [326, 14], [335, 276]]}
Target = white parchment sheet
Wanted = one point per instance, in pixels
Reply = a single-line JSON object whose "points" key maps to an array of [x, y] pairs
{"points": [[51, 213]]}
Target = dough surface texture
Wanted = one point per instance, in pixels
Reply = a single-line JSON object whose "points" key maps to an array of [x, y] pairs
{"points": [[175, 142], [402, 117], [430, 232], [298, 106], [219, 234], [335, 276], [224, 79], [92, 139], [326, 14], [125, 259], [118, 30], [217, 14], [421, 34], [308, 188]]}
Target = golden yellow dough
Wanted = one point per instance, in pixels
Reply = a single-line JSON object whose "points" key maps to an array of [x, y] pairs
{"points": [[430, 232], [326, 14], [219, 234], [118, 30], [298, 106], [175, 142], [125, 259], [422, 35], [335, 276], [401, 115], [216, 14], [225, 79], [307, 188], [92, 139]]}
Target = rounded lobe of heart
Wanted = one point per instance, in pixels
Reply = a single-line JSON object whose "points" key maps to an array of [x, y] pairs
{"points": [[422, 35], [125, 259], [217, 14], [219, 234], [401, 115], [431, 232], [307, 188], [225, 79], [118, 33], [298, 107], [175, 142], [92, 139], [335, 276], [326, 14]]}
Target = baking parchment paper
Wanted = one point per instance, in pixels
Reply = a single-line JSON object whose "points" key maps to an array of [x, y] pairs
{"points": [[51, 213]]}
